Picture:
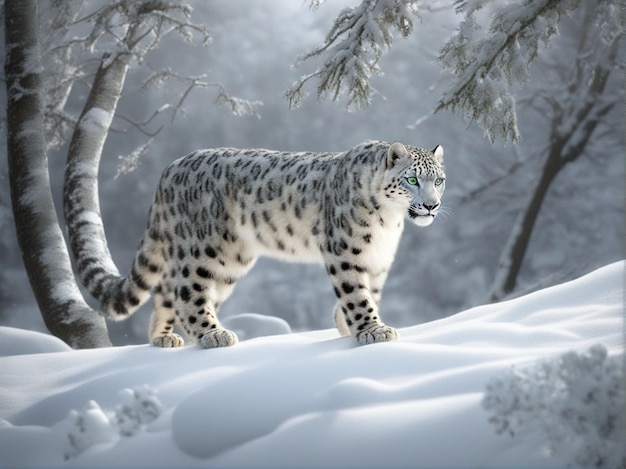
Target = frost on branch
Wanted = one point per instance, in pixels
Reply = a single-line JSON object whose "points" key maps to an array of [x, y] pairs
{"points": [[352, 49], [315, 4], [130, 162], [73, 38], [487, 66], [576, 400], [161, 78], [238, 106], [136, 27]]}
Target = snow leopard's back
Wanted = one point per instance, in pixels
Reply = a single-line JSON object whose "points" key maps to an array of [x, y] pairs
{"points": [[273, 203]]}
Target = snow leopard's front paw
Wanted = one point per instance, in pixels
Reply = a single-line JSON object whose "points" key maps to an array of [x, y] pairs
{"points": [[378, 333], [168, 341], [218, 338]]}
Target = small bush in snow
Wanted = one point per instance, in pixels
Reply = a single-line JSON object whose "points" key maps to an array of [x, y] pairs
{"points": [[139, 407], [93, 426], [86, 428], [576, 400]]}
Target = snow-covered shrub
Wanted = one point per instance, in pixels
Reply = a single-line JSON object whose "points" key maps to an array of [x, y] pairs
{"points": [[576, 400], [139, 407], [87, 428], [93, 426]]}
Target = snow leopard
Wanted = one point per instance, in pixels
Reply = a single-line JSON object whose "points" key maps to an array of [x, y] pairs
{"points": [[216, 211]]}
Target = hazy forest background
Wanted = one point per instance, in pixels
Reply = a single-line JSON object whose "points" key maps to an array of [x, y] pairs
{"points": [[440, 270]]}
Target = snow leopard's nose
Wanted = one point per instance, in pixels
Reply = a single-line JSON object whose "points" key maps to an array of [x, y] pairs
{"points": [[431, 207]]}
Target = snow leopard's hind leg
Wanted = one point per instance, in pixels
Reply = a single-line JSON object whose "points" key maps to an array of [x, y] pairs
{"points": [[163, 318], [196, 306], [203, 282], [340, 321]]}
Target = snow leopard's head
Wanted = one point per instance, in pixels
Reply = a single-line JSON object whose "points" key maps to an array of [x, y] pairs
{"points": [[417, 180]]}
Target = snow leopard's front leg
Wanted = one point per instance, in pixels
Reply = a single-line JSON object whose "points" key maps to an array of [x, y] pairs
{"points": [[358, 295]]}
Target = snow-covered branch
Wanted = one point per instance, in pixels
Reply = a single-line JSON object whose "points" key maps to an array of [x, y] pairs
{"points": [[486, 67], [138, 26], [352, 49], [121, 27], [130, 162], [78, 35], [238, 106]]}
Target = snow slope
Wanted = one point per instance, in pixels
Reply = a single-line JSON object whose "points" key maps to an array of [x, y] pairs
{"points": [[299, 400]]}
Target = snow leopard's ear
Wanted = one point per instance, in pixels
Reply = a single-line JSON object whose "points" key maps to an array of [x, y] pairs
{"points": [[396, 151], [438, 152]]}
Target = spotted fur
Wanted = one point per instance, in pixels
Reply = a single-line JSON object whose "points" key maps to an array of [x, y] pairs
{"points": [[216, 211]]}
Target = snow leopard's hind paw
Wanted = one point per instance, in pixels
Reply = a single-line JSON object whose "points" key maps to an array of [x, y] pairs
{"points": [[168, 341]]}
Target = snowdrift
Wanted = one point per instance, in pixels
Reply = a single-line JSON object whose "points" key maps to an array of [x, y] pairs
{"points": [[302, 400]]}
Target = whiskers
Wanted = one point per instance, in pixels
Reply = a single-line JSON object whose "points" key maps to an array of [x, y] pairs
{"points": [[445, 213]]}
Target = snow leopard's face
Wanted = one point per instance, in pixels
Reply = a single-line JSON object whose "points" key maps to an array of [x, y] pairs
{"points": [[418, 181]]}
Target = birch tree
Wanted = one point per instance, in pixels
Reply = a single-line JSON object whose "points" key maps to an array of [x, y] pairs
{"points": [[40, 238], [118, 35]]}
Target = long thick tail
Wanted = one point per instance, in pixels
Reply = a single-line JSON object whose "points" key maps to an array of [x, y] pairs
{"points": [[119, 296]]}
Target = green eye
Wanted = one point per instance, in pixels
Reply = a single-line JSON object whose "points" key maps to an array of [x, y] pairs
{"points": [[412, 180], [439, 181]]}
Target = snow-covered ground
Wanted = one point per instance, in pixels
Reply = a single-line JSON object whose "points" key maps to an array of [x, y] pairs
{"points": [[317, 400]]}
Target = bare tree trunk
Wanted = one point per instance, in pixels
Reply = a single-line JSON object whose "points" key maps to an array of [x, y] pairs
{"points": [[514, 251], [572, 126], [40, 238]]}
